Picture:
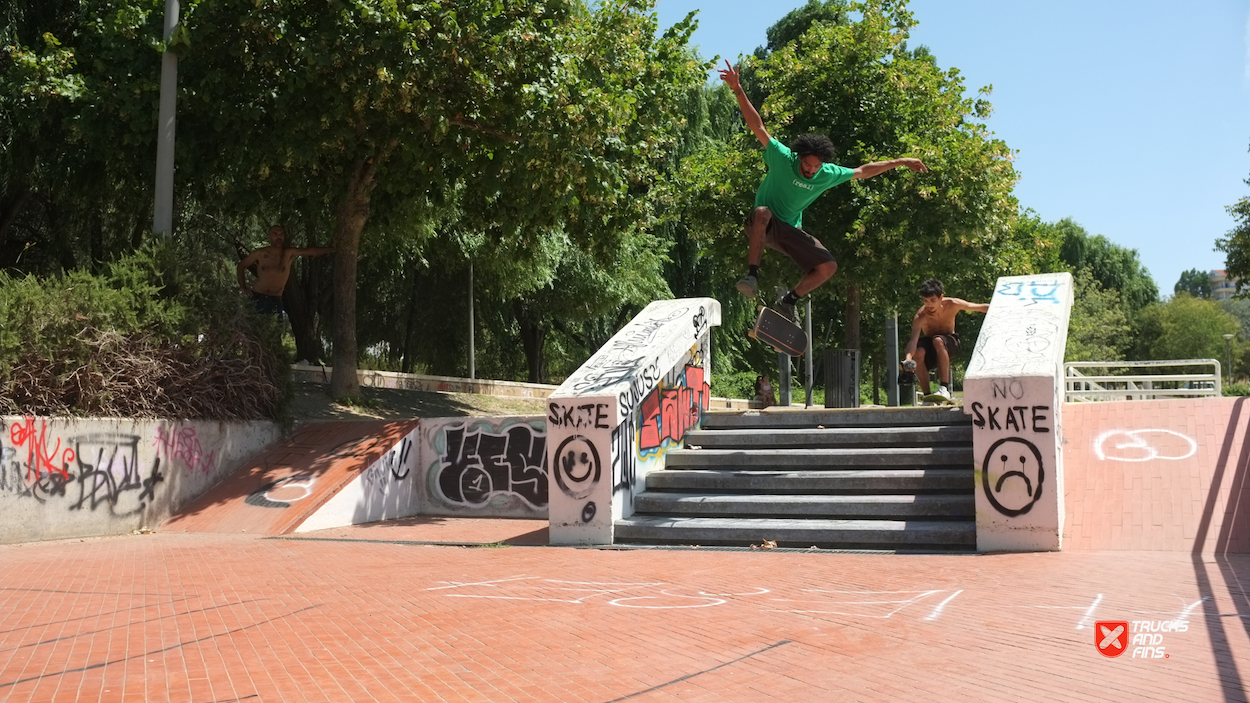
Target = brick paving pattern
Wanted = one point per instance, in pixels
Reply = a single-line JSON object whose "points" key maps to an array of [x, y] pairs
{"points": [[206, 612], [368, 613], [1173, 475]]}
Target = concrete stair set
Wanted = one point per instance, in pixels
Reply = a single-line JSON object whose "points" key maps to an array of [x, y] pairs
{"points": [[873, 478]]}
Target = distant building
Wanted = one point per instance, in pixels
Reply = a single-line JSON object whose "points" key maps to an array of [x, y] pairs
{"points": [[1222, 287]]}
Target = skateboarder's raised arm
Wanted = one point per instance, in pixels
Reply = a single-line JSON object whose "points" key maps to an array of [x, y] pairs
{"points": [[877, 168], [961, 304], [729, 74]]}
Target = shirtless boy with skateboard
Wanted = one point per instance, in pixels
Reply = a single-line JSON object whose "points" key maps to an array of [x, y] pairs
{"points": [[933, 338], [273, 267]]}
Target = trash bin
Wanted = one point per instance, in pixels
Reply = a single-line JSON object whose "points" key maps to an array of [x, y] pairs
{"points": [[841, 378], [907, 387]]}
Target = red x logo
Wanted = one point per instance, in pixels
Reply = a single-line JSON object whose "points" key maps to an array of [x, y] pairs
{"points": [[1111, 637]]}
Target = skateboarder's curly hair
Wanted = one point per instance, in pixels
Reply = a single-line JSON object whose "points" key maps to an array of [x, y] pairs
{"points": [[931, 288], [817, 145]]}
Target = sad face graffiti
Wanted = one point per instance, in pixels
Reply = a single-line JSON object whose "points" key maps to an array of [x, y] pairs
{"points": [[1012, 476]]}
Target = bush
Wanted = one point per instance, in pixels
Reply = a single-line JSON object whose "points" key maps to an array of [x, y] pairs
{"points": [[160, 333], [736, 385], [1236, 389]]}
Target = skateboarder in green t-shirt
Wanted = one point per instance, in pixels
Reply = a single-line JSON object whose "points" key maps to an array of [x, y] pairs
{"points": [[796, 176]]}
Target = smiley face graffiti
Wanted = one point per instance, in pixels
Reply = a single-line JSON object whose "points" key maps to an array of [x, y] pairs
{"points": [[1012, 476], [577, 467]]}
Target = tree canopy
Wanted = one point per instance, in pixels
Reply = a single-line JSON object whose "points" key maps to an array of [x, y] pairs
{"points": [[1113, 266], [844, 70], [527, 121], [1194, 282], [1186, 328], [1236, 244]]}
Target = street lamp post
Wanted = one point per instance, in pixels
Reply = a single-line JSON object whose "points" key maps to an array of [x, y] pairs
{"points": [[1228, 340]]}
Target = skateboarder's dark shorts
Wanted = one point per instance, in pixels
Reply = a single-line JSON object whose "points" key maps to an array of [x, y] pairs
{"points": [[806, 250], [267, 304], [930, 354]]}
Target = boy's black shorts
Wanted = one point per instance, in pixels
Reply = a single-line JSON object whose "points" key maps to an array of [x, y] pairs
{"points": [[926, 343]]}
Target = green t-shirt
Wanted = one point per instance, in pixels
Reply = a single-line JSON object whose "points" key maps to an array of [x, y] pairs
{"points": [[785, 191]]}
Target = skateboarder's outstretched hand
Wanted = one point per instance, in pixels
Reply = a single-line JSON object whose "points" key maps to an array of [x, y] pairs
{"points": [[729, 74]]}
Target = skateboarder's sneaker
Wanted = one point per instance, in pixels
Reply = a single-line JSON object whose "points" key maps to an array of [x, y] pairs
{"points": [[748, 286], [942, 396], [786, 309]]}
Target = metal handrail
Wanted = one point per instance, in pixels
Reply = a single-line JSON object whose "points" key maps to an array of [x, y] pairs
{"points": [[1080, 387]]}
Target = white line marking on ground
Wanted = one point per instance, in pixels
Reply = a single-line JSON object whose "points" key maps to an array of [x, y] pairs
{"points": [[1089, 613], [938, 610], [1189, 608], [460, 584]]}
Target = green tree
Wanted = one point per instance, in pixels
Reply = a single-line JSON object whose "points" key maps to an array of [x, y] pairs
{"points": [[383, 112], [1194, 282], [797, 21], [1099, 329], [1186, 328], [857, 82], [1113, 266], [1237, 243]]}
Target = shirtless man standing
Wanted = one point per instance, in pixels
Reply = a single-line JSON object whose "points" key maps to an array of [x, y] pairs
{"points": [[936, 321], [273, 267]]}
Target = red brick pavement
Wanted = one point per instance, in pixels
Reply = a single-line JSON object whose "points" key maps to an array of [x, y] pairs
{"points": [[301, 472], [228, 617], [1172, 475]]}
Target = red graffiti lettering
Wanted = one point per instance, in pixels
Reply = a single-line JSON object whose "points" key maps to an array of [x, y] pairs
{"points": [[39, 457], [668, 413], [185, 446]]}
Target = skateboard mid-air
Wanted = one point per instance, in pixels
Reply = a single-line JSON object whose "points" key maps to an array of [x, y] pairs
{"points": [[777, 331]]}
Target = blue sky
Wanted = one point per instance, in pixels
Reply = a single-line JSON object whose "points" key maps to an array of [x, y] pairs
{"points": [[1132, 118]]}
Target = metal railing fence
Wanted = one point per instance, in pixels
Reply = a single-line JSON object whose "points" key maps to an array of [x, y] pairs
{"points": [[1107, 385]]}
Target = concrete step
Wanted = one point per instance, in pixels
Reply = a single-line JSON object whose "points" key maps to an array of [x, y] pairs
{"points": [[845, 481], [774, 459], [777, 418], [899, 507], [831, 437], [794, 532]]}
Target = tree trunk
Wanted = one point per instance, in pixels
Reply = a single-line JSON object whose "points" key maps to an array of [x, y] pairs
{"points": [[351, 214], [11, 204], [301, 310], [850, 334], [533, 339], [97, 242], [413, 300]]}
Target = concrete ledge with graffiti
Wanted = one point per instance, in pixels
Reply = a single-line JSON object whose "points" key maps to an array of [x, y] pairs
{"points": [[613, 420], [1014, 389], [74, 477]]}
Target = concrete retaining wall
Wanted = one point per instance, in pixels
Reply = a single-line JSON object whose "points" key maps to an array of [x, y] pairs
{"points": [[71, 477], [484, 467]]}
